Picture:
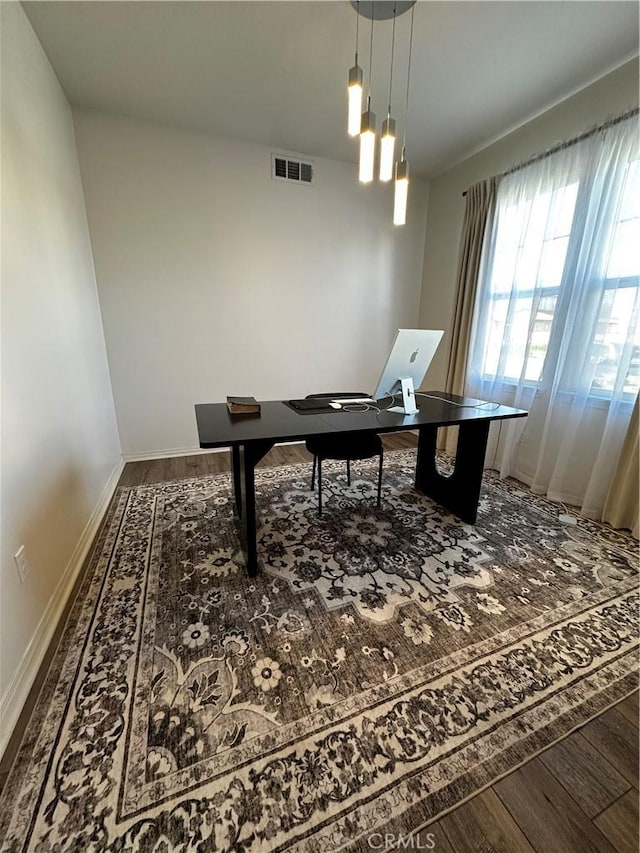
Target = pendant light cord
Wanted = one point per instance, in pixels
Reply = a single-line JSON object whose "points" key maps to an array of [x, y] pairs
{"points": [[393, 42], [357, 27], [370, 66], [406, 107]]}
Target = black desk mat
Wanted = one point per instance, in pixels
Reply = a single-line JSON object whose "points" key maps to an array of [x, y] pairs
{"points": [[322, 409]]}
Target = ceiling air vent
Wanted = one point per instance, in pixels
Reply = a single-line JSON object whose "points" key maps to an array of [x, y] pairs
{"points": [[293, 171]]}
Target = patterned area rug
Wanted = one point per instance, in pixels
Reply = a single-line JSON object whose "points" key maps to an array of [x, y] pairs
{"points": [[385, 665]]}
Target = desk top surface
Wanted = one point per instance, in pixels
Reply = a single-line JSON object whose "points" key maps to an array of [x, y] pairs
{"points": [[278, 422]]}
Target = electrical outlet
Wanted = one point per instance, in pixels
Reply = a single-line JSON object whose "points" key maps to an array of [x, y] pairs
{"points": [[22, 563]]}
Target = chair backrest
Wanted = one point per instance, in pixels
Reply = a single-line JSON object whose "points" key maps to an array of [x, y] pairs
{"points": [[338, 395]]}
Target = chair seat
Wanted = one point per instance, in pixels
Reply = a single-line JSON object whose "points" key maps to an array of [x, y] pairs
{"points": [[348, 446], [344, 447]]}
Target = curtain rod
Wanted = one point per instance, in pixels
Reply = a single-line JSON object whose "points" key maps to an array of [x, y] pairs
{"points": [[567, 144]]}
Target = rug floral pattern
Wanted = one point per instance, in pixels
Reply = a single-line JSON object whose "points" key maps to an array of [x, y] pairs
{"points": [[385, 663]]}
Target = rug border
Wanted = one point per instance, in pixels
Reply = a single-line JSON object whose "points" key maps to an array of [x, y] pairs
{"points": [[522, 763]]}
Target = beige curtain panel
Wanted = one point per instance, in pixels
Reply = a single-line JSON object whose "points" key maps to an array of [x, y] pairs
{"points": [[622, 508], [480, 204]]}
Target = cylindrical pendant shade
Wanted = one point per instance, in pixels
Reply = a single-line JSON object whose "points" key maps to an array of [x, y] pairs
{"points": [[401, 193], [387, 149], [355, 100], [367, 146]]}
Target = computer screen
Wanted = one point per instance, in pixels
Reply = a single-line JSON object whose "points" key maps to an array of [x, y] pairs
{"points": [[410, 357]]}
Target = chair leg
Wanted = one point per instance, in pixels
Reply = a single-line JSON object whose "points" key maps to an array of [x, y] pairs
{"points": [[380, 479], [348, 472], [313, 474], [319, 487]]}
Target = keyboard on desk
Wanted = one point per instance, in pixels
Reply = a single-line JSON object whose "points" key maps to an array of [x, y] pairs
{"points": [[346, 401]]}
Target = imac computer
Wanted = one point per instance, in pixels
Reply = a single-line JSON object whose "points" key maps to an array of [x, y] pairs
{"points": [[409, 360]]}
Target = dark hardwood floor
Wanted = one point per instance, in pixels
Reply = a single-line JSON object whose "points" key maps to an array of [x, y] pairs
{"points": [[579, 795]]}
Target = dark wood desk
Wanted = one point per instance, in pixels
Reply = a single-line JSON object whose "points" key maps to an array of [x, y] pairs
{"points": [[250, 438]]}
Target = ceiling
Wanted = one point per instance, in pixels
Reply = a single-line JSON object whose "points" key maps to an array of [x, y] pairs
{"points": [[275, 73]]}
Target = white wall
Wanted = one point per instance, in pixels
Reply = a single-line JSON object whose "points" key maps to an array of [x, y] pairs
{"points": [[609, 97], [59, 437], [214, 279]]}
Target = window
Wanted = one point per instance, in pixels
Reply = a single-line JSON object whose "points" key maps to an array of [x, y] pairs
{"points": [[618, 315], [561, 286], [530, 251]]}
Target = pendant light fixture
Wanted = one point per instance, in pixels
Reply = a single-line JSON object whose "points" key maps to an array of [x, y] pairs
{"points": [[388, 138], [401, 189], [377, 10], [368, 129], [355, 89]]}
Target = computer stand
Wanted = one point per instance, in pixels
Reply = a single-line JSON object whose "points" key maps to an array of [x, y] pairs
{"points": [[408, 406]]}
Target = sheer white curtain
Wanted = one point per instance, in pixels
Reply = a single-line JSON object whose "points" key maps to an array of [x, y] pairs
{"points": [[556, 318]]}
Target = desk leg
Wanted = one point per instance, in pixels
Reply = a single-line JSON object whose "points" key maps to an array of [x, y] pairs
{"points": [[237, 479], [245, 459], [460, 492]]}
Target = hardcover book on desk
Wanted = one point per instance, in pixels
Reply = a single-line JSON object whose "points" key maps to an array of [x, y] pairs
{"points": [[243, 406]]}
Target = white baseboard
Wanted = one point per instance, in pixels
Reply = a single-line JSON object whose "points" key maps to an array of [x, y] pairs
{"points": [[149, 456], [15, 696]]}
